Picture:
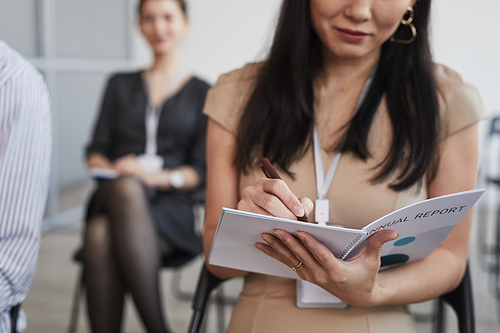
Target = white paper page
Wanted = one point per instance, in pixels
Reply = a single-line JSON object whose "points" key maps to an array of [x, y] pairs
{"points": [[102, 173], [421, 226], [238, 231]]}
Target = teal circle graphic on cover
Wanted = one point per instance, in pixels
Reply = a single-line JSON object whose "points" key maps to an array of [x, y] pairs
{"points": [[404, 241], [400, 253]]}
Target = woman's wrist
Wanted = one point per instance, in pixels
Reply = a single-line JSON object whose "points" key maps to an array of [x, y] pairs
{"points": [[178, 179], [158, 180]]}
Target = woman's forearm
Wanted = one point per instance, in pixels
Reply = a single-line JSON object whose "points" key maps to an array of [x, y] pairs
{"points": [[222, 188]]}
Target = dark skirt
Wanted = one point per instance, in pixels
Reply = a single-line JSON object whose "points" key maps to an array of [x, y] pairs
{"points": [[173, 215]]}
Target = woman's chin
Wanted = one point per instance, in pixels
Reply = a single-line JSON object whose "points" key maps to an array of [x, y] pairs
{"points": [[163, 49]]}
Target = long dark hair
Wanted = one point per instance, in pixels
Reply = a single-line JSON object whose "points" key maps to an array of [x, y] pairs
{"points": [[279, 116]]}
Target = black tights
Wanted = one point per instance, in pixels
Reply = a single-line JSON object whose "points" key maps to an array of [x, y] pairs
{"points": [[123, 251]]}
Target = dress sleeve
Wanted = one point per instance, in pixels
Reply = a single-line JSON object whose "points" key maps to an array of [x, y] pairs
{"points": [[461, 105], [228, 98], [102, 135]]}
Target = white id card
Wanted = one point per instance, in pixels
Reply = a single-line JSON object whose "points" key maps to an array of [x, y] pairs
{"points": [[311, 296], [322, 211]]}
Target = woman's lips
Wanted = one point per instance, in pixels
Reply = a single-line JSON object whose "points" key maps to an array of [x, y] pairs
{"points": [[352, 35], [159, 39]]}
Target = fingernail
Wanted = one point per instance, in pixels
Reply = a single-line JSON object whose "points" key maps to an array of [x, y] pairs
{"points": [[298, 210], [299, 234], [276, 234]]}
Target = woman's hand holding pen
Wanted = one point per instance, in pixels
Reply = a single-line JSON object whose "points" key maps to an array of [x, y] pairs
{"points": [[273, 197], [354, 281]]}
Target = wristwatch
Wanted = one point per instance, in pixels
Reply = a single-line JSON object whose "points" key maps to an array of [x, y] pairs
{"points": [[176, 179]]}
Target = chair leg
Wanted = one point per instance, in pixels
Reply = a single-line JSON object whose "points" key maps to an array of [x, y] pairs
{"points": [[76, 303], [497, 256], [204, 325], [440, 320], [220, 306], [497, 267], [220, 312]]}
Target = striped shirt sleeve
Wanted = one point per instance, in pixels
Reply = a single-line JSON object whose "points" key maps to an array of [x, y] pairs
{"points": [[25, 149]]}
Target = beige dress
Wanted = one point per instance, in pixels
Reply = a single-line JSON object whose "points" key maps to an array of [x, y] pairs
{"points": [[268, 303]]}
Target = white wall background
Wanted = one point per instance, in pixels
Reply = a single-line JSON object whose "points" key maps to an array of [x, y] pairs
{"points": [[465, 37], [224, 35]]}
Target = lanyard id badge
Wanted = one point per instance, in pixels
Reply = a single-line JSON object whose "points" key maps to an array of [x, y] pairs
{"points": [[150, 161], [322, 209]]}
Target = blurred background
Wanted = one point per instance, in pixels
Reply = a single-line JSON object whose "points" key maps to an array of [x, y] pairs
{"points": [[77, 44]]}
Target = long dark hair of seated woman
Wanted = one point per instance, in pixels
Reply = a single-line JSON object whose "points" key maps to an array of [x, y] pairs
{"points": [[279, 117]]}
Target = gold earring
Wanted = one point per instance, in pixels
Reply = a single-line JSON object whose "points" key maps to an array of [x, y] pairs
{"points": [[407, 22]]}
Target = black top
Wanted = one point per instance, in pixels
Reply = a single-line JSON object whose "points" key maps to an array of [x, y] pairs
{"points": [[121, 129]]}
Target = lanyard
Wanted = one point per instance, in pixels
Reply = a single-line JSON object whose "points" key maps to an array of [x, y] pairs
{"points": [[153, 113], [323, 182]]}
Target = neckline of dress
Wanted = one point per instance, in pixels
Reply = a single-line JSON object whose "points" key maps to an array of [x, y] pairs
{"points": [[144, 85]]}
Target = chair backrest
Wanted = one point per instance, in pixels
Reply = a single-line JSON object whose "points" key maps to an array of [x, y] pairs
{"points": [[461, 300], [206, 284]]}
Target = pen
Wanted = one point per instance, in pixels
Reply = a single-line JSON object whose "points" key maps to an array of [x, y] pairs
{"points": [[271, 173]]}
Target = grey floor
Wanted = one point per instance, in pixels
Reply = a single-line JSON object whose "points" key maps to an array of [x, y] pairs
{"points": [[48, 304]]}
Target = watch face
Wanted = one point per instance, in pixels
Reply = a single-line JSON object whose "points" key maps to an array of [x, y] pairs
{"points": [[176, 179]]}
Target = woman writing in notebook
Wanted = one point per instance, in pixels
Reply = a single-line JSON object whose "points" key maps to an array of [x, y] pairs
{"points": [[151, 132], [348, 90]]}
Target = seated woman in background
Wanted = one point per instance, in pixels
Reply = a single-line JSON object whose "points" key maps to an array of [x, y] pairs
{"points": [[151, 133], [403, 129]]}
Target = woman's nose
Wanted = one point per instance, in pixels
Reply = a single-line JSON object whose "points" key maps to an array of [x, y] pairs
{"points": [[359, 10], [160, 26]]}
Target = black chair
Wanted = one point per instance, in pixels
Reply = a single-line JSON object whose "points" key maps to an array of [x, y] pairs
{"points": [[462, 302], [167, 262], [489, 177], [207, 282], [494, 249]]}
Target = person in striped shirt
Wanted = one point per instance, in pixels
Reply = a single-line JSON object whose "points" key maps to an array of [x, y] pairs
{"points": [[25, 151]]}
